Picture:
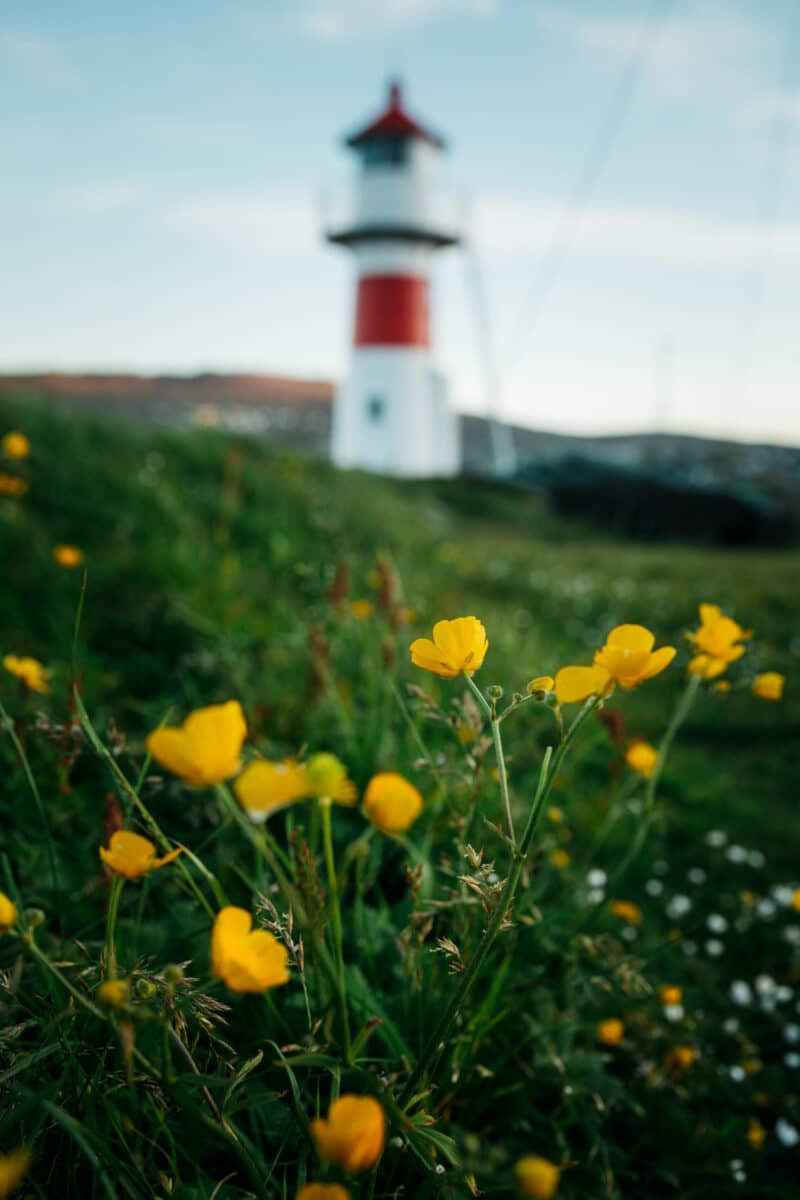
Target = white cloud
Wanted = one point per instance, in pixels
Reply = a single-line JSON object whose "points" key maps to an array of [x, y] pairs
{"points": [[269, 225], [706, 46], [38, 58], [777, 107], [505, 225], [332, 20], [97, 199]]}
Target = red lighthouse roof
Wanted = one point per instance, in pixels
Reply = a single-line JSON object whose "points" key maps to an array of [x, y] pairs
{"points": [[394, 121]]}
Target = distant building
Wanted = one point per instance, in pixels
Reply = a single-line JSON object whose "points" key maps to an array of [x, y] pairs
{"points": [[392, 414]]}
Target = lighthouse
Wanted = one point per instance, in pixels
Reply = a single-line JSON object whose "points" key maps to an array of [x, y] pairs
{"points": [[391, 415]]}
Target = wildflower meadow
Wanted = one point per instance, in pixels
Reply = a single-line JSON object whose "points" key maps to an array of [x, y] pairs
{"points": [[363, 839]]}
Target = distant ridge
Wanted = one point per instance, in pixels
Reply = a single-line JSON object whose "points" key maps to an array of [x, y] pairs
{"points": [[204, 387]]}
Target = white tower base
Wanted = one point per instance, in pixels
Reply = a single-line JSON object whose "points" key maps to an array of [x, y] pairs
{"points": [[392, 416]]}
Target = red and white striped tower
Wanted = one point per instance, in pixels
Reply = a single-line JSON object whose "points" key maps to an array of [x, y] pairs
{"points": [[392, 415]]}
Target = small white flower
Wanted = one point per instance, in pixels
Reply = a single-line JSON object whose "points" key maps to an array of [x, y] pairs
{"points": [[783, 994], [696, 875], [716, 838], [741, 992], [786, 1134], [756, 860], [765, 985], [689, 947], [673, 1012], [766, 908], [717, 923], [791, 934], [736, 854], [782, 894], [596, 878], [493, 877], [654, 887], [792, 1060], [737, 1170], [767, 1004], [792, 1033], [596, 896], [730, 1025], [737, 1073], [678, 906], [629, 933], [714, 947]]}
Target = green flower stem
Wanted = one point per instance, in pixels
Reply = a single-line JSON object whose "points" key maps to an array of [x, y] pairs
{"points": [[325, 805], [266, 847], [494, 722], [130, 794], [680, 713], [117, 884], [8, 725], [269, 851], [76, 994], [551, 764]]}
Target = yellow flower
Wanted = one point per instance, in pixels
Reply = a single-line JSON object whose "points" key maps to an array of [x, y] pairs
{"points": [[627, 659], [323, 1191], [265, 787], [670, 995], [679, 1059], [8, 913], [560, 859], [555, 815], [132, 856], [391, 802], [458, 646], [626, 910], [13, 1168], [756, 1133], [206, 748], [12, 485], [717, 642], [796, 901], [68, 556], [579, 683], [768, 686], [16, 445], [30, 671], [362, 610], [642, 758], [540, 686], [611, 1031], [114, 993], [353, 1133], [247, 960], [325, 777], [537, 1177], [722, 685]]}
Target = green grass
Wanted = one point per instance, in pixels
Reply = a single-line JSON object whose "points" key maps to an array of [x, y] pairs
{"points": [[212, 569]]}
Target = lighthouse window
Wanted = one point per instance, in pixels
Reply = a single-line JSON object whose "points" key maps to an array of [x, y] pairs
{"points": [[376, 408], [385, 152]]}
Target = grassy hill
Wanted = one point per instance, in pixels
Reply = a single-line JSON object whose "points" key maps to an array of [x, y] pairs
{"points": [[219, 567]]}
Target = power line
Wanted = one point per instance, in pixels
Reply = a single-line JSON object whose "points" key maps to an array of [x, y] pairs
{"points": [[552, 261]]}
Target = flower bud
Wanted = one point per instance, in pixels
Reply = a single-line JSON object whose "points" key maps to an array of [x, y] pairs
{"points": [[173, 974], [32, 918], [494, 692], [145, 989]]}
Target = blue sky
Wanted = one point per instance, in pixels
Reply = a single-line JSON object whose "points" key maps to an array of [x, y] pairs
{"points": [[162, 166]]}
